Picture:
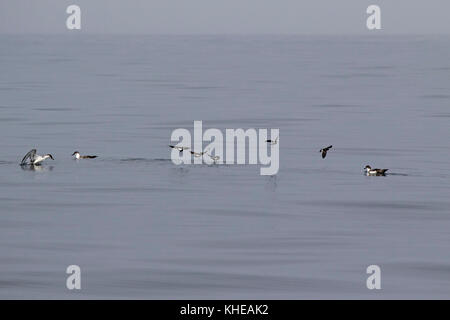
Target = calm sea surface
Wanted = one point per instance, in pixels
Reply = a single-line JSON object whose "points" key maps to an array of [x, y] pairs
{"points": [[141, 227]]}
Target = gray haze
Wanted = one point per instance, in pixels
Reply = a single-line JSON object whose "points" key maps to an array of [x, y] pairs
{"points": [[226, 16]]}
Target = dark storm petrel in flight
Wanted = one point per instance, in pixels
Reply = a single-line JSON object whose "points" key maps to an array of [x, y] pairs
{"points": [[324, 151]]}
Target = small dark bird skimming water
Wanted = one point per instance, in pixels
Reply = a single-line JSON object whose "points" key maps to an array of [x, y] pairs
{"points": [[324, 151], [272, 141]]}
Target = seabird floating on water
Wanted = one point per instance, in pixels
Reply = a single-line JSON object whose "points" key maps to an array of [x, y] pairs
{"points": [[374, 172], [79, 156], [324, 151], [34, 159]]}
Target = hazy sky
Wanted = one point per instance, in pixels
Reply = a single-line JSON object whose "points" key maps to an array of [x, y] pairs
{"points": [[225, 16]]}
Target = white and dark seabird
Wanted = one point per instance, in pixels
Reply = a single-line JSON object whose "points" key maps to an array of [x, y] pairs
{"points": [[214, 158], [324, 151], [79, 156], [374, 172], [270, 141], [32, 158], [180, 149], [198, 154]]}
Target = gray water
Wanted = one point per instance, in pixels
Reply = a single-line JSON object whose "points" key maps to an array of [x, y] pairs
{"points": [[141, 227]]}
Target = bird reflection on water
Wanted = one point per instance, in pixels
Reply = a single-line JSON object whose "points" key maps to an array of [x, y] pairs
{"points": [[36, 168]]}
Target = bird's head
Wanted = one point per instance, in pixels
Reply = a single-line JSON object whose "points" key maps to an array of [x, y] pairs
{"points": [[76, 154]]}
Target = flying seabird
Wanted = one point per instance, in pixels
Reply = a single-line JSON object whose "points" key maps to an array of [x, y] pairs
{"points": [[181, 149], [324, 151], [79, 156], [214, 158], [272, 141], [34, 159], [374, 172], [198, 154]]}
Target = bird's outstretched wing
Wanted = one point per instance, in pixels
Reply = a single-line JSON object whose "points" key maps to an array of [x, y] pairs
{"points": [[30, 155], [324, 153]]}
